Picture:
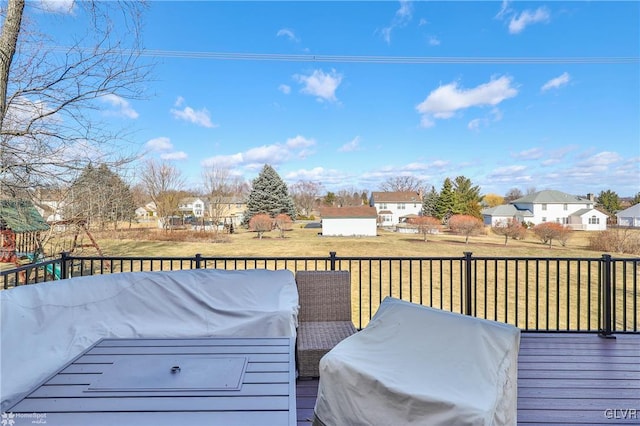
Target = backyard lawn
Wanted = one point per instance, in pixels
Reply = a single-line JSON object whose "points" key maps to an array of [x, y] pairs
{"points": [[306, 242]]}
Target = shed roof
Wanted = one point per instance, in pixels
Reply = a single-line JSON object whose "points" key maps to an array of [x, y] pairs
{"points": [[348, 212], [21, 216]]}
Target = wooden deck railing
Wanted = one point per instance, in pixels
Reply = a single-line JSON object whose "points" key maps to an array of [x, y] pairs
{"points": [[598, 295]]}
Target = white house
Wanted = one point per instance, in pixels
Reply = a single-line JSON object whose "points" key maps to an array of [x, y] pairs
{"points": [[550, 206], [392, 206], [630, 216], [349, 221], [192, 206], [493, 216]]}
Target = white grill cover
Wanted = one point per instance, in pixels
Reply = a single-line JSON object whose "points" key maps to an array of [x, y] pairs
{"points": [[46, 325], [414, 365]]}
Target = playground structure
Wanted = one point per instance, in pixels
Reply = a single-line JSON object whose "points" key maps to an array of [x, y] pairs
{"points": [[21, 228]]}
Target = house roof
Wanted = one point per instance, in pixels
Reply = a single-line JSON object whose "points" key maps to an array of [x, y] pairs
{"points": [[583, 212], [551, 197], [348, 212], [395, 197], [506, 210], [633, 211], [21, 216]]}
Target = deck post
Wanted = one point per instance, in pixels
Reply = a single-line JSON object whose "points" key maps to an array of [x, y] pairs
{"points": [[64, 257], [198, 260], [332, 260], [467, 283], [606, 327]]}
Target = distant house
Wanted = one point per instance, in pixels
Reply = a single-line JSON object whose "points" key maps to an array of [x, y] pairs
{"points": [[629, 217], [550, 206], [349, 221], [191, 206], [392, 206], [228, 210], [494, 216]]}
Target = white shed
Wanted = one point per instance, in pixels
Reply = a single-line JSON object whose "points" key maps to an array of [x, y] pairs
{"points": [[349, 221], [629, 217]]}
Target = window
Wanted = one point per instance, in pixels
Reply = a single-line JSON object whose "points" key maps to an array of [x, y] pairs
{"points": [[544, 207], [401, 206], [544, 219], [594, 220], [565, 207], [383, 205]]}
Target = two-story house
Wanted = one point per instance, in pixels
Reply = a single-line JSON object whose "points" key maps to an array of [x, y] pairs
{"points": [[227, 210], [550, 206], [192, 206], [394, 207]]}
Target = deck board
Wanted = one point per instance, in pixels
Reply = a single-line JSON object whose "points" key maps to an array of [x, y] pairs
{"points": [[563, 379]]}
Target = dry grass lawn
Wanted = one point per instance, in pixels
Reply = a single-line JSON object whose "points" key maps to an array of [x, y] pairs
{"points": [[555, 294]]}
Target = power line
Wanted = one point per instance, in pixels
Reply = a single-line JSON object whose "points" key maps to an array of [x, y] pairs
{"points": [[407, 60]]}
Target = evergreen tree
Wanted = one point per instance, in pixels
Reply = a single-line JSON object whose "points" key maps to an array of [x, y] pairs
{"points": [[466, 197], [269, 195], [446, 202], [609, 201], [430, 203]]}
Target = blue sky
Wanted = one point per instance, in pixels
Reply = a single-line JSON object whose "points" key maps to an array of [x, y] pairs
{"points": [[508, 94]]}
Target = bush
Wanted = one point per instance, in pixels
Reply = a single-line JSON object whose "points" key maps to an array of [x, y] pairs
{"points": [[619, 240], [549, 231]]}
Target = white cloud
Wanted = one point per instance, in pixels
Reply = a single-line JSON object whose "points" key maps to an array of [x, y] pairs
{"points": [[284, 89], [504, 9], [122, 105], [401, 18], [528, 17], [57, 6], [529, 154], [445, 101], [353, 145], [159, 144], [320, 84], [178, 155], [273, 154], [557, 82], [434, 41], [199, 117], [300, 142], [513, 173], [286, 32], [315, 174]]}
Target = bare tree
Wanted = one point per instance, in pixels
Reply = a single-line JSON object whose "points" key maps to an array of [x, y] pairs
{"points": [[282, 223], [403, 184], [163, 182], [509, 228], [348, 198], [426, 225], [52, 97], [512, 194], [217, 183], [304, 194]]}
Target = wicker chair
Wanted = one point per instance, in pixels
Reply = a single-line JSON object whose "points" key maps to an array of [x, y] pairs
{"points": [[324, 317]]}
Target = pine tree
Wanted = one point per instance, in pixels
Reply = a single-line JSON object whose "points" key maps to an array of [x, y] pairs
{"points": [[270, 195], [445, 205], [466, 197], [430, 203]]}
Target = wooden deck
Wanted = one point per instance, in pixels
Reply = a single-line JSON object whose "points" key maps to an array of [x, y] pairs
{"points": [[563, 379]]}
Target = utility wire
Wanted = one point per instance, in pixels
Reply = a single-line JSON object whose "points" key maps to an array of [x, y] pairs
{"points": [[278, 57]]}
